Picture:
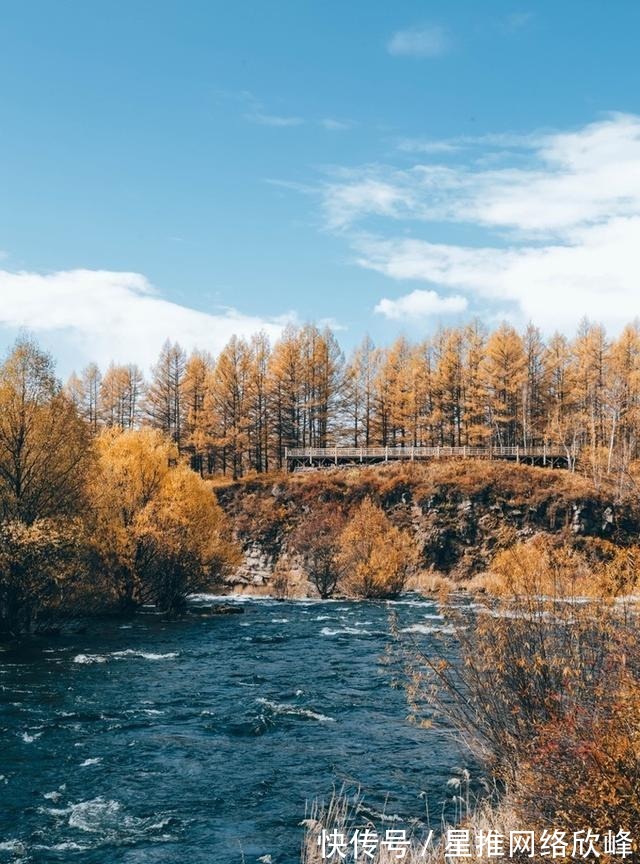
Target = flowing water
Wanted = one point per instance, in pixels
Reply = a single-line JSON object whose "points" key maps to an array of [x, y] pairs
{"points": [[201, 740]]}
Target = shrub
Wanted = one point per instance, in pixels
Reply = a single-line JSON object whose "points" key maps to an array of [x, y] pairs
{"points": [[43, 570], [547, 686], [377, 558], [317, 541]]}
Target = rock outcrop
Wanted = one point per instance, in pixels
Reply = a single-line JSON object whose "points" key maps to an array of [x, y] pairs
{"points": [[460, 514]]}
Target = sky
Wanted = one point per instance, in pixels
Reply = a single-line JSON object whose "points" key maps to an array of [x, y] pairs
{"points": [[199, 168]]}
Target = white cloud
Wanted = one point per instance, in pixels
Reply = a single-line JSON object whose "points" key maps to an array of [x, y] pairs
{"points": [[115, 316], [518, 21], [419, 42], [273, 119], [425, 145], [333, 125], [344, 203], [420, 304], [557, 234]]}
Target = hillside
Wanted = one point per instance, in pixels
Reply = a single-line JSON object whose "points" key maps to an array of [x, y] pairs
{"points": [[460, 513]]}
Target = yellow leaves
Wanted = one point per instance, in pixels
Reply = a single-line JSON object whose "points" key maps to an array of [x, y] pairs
{"points": [[152, 516], [44, 448], [377, 557], [184, 519]]}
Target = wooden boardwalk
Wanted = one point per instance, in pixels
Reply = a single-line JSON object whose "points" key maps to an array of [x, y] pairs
{"points": [[299, 457]]}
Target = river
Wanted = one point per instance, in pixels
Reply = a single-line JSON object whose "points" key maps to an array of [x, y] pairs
{"points": [[199, 741]]}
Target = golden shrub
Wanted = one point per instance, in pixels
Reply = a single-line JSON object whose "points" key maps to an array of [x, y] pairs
{"points": [[376, 557]]}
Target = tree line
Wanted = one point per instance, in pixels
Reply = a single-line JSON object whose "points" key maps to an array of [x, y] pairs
{"points": [[237, 413], [94, 518]]}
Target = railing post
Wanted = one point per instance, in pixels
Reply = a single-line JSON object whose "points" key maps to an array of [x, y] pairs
{"points": [[361, 454], [517, 454], [386, 454], [336, 455], [544, 454], [412, 453]]}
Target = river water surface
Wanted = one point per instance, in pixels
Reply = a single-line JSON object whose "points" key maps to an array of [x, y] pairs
{"points": [[200, 741]]}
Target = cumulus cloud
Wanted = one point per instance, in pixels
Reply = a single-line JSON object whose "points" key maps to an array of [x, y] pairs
{"points": [[419, 42], [420, 304], [115, 316], [558, 232]]}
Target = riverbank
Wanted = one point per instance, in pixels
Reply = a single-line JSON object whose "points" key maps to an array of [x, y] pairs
{"points": [[460, 515]]}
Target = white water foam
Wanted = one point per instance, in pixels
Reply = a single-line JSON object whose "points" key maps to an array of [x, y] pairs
{"points": [[29, 739], [88, 659], [428, 629], [294, 710], [344, 631], [144, 655]]}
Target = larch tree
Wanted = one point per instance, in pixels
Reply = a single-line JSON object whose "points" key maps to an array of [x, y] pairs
{"points": [[184, 541], [590, 361], [624, 390], [227, 405], [195, 391], [359, 403], [84, 392], [448, 386], [477, 430], [120, 397], [258, 402], [376, 557], [285, 387], [130, 470], [164, 403], [44, 444], [562, 423], [504, 373], [534, 391]]}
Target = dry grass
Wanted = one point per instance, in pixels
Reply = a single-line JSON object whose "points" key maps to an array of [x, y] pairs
{"points": [[430, 582], [342, 814]]}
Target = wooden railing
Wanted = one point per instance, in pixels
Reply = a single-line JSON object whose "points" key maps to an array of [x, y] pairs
{"points": [[361, 453]]}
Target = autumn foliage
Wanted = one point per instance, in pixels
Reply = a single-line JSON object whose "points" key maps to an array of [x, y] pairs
{"points": [[235, 414], [317, 541], [94, 524], [376, 556]]}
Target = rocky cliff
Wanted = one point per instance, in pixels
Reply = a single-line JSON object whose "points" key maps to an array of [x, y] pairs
{"points": [[460, 513]]}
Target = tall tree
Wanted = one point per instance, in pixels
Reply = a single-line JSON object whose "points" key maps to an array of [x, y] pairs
{"points": [[121, 396], [359, 407], [285, 387], [227, 405], [44, 445], [195, 391], [164, 403], [504, 375], [84, 392]]}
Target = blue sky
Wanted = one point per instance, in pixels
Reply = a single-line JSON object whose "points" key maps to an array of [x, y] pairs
{"points": [[192, 169]]}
